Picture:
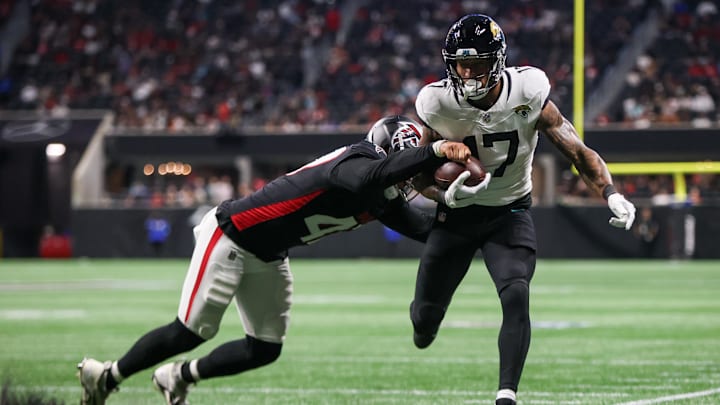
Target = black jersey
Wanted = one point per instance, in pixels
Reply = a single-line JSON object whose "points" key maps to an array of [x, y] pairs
{"points": [[336, 192]]}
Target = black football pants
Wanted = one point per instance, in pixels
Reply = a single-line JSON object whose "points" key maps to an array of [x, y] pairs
{"points": [[507, 242]]}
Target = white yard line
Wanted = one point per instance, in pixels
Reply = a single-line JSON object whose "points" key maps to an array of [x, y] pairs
{"points": [[336, 390], [140, 285], [27, 314], [493, 360], [676, 397], [470, 397], [280, 390]]}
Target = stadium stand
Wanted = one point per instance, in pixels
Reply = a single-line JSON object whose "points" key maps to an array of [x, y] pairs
{"points": [[297, 65], [191, 65]]}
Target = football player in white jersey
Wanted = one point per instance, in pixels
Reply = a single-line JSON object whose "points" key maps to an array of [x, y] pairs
{"points": [[497, 112]]}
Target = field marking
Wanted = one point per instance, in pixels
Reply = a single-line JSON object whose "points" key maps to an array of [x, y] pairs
{"points": [[280, 390], [338, 299], [140, 285], [676, 397], [484, 360], [555, 325], [482, 396], [35, 314]]}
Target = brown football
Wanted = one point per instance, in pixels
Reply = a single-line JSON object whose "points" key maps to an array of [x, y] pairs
{"points": [[448, 172]]}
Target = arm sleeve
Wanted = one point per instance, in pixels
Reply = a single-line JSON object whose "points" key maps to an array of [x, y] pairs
{"points": [[407, 220], [360, 171]]}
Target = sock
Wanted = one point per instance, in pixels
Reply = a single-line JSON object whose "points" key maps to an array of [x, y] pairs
{"points": [[114, 378], [194, 370], [186, 372], [506, 393]]}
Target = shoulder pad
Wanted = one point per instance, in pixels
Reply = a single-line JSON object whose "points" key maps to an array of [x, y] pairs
{"points": [[368, 149], [531, 82], [428, 99]]}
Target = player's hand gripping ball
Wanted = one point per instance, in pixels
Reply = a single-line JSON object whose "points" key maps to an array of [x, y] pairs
{"points": [[448, 172]]}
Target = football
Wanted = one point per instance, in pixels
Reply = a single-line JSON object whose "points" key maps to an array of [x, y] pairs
{"points": [[448, 172]]}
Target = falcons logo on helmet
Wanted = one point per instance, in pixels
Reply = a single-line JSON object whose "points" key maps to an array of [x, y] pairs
{"points": [[405, 136]]}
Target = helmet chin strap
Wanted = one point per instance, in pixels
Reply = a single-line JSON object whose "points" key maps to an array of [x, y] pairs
{"points": [[476, 97], [470, 87]]}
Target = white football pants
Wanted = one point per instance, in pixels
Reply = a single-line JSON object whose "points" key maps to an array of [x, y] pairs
{"points": [[220, 270]]}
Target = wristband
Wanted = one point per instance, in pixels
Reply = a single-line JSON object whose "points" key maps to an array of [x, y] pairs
{"points": [[436, 148], [608, 190]]}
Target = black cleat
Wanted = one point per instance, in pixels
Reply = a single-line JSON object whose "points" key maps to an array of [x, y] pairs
{"points": [[505, 401], [421, 340]]}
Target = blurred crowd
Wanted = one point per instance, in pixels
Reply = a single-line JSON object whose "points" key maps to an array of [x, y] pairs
{"points": [[290, 65], [657, 190], [327, 65], [676, 81], [208, 188], [213, 188], [293, 65]]}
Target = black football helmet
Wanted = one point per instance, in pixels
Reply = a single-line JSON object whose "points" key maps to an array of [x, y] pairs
{"points": [[395, 133], [475, 36]]}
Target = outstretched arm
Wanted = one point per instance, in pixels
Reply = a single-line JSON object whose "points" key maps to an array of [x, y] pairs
{"points": [[562, 134], [362, 171], [590, 165]]}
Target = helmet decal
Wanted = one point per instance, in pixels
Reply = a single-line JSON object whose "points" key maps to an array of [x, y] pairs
{"points": [[496, 31], [394, 133], [405, 136]]}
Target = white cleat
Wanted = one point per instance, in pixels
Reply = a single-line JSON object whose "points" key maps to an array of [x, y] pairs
{"points": [[168, 380], [93, 377]]}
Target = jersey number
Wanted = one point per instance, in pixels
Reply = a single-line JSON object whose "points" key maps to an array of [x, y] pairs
{"points": [[321, 225], [488, 142]]}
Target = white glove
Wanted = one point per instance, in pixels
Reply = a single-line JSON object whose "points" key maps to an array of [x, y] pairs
{"points": [[391, 192], [623, 210], [459, 195]]}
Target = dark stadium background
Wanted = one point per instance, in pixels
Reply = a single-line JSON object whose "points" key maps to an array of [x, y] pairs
{"points": [[231, 94]]}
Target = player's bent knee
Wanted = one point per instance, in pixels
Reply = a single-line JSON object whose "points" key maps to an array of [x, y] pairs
{"points": [[426, 317], [183, 336], [204, 330], [515, 298], [515, 290], [263, 352]]}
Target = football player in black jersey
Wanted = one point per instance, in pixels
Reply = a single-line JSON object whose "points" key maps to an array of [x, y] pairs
{"points": [[497, 111], [241, 255]]}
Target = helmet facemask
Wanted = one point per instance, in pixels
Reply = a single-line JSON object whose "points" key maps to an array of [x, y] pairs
{"points": [[473, 88]]}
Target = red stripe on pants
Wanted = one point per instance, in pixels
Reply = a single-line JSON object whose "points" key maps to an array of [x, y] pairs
{"points": [[208, 251]]}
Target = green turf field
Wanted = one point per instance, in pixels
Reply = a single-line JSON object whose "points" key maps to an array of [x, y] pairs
{"points": [[605, 332]]}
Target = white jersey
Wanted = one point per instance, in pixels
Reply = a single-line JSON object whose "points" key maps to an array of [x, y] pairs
{"points": [[503, 137]]}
